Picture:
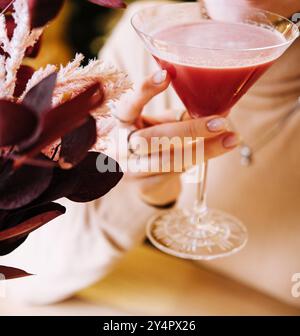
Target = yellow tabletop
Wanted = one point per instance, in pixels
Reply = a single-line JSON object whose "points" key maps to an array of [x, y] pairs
{"points": [[148, 282]]}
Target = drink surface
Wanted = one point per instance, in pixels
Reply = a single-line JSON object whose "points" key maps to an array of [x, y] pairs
{"points": [[216, 63]]}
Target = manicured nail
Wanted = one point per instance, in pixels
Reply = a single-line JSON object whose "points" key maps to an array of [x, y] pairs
{"points": [[231, 141], [159, 77], [217, 125]]}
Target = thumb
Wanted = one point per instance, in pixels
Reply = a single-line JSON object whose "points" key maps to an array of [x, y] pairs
{"points": [[152, 86]]}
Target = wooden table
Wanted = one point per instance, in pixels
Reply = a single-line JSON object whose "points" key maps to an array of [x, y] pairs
{"points": [[147, 282]]}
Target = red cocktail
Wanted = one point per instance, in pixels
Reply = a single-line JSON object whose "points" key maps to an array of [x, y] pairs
{"points": [[214, 53], [215, 88]]}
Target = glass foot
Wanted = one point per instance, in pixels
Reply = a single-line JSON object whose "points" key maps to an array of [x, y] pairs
{"points": [[216, 235]]}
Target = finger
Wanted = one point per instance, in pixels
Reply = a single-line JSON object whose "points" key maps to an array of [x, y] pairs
{"points": [[151, 87], [170, 115], [220, 145], [180, 159], [166, 116], [142, 140], [164, 189]]}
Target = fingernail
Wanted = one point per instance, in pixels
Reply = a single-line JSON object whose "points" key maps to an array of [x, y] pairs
{"points": [[159, 77], [231, 141], [217, 125]]}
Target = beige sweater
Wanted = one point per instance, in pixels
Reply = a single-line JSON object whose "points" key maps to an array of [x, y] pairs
{"points": [[79, 248]]}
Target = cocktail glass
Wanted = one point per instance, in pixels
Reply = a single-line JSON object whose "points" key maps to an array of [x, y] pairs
{"points": [[214, 53]]}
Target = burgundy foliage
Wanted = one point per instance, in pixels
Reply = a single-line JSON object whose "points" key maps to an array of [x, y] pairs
{"points": [[5, 4], [10, 26], [12, 273], [87, 133], [42, 11], [110, 3], [24, 74], [30, 181]]}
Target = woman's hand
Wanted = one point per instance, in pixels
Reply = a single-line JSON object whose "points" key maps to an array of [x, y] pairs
{"points": [[163, 186]]}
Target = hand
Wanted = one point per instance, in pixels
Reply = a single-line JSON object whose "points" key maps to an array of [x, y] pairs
{"points": [[163, 187]]}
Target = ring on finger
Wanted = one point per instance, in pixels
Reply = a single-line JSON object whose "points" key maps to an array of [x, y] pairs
{"points": [[130, 149], [126, 122]]}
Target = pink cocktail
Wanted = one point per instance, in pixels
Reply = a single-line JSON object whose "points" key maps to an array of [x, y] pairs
{"points": [[215, 87], [214, 52]]}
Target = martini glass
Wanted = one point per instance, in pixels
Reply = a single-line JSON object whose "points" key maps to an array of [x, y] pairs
{"points": [[214, 53]]}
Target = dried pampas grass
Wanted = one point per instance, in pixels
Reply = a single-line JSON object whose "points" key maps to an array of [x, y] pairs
{"points": [[23, 38], [74, 78]]}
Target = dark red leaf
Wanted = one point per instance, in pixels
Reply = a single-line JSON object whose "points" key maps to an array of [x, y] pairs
{"points": [[5, 4], [36, 161], [12, 273], [33, 51], [75, 145], [62, 185], [39, 98], [20, 187], [109, 3], [42, 11], [83, 183], [24, 74], [64, 118], [3, 215], [17, 123], [19, 224], [7, 247], [10, 25], [5, 167], [90, 183]]}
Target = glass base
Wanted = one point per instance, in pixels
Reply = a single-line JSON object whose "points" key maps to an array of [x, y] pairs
{"points": [[216, 235]]}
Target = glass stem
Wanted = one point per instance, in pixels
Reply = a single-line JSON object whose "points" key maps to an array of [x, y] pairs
{"points": [[200, 206]]}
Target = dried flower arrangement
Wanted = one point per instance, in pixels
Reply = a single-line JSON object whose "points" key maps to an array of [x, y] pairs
{"points": [[49, 122]]}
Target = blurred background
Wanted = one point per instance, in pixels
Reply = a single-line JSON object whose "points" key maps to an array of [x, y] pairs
{"points": [[81, 27]]}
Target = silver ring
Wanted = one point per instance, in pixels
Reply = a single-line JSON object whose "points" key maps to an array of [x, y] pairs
{"points": [[126, 122], [130, 149]]}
